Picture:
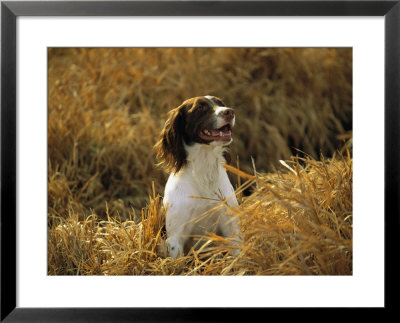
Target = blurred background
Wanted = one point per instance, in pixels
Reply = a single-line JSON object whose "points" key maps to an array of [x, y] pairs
{"points": [[106, 107]]}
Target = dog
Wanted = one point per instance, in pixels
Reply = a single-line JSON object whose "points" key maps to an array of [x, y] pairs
{"points": [[193, 147]]}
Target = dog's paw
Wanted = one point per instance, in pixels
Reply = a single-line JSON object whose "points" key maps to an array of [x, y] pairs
{"points": [[175, 248]]}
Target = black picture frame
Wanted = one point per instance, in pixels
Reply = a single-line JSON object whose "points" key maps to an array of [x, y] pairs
{"points": [[10, 10]]}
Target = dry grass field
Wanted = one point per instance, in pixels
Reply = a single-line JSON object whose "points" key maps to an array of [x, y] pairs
{"points": [[291, 158]]}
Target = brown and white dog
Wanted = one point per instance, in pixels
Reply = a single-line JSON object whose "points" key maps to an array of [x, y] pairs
{"points": [[191, 147]]}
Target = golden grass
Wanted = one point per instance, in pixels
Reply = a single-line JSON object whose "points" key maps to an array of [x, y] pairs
{"points": [[297, 222], [106, 109]]}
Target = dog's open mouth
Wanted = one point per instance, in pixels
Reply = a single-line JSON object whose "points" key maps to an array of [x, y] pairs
{"points": [[223, 133]]}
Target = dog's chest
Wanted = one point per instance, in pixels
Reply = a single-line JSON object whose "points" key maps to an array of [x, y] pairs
{"points": [[205, 170], [203, 176], [213, 186], [206, 175]]}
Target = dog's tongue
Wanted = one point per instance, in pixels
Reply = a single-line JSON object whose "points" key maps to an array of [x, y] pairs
{"points": [[221, 135], [222, 132]]}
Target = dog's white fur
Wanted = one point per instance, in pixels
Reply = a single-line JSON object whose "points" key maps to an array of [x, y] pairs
{"points": [[203, 176], [183, 218]]}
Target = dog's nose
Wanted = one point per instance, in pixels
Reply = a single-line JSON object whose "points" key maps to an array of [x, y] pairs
{"points": [[228, 113]]}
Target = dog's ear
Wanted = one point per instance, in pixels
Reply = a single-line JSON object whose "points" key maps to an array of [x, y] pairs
{"points": [[169, 149]]}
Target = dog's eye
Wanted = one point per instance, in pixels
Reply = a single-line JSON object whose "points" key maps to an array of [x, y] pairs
{"points": [[197, 108]]}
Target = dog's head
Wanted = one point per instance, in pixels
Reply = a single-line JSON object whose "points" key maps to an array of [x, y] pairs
{"points": [[202, 120]]}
